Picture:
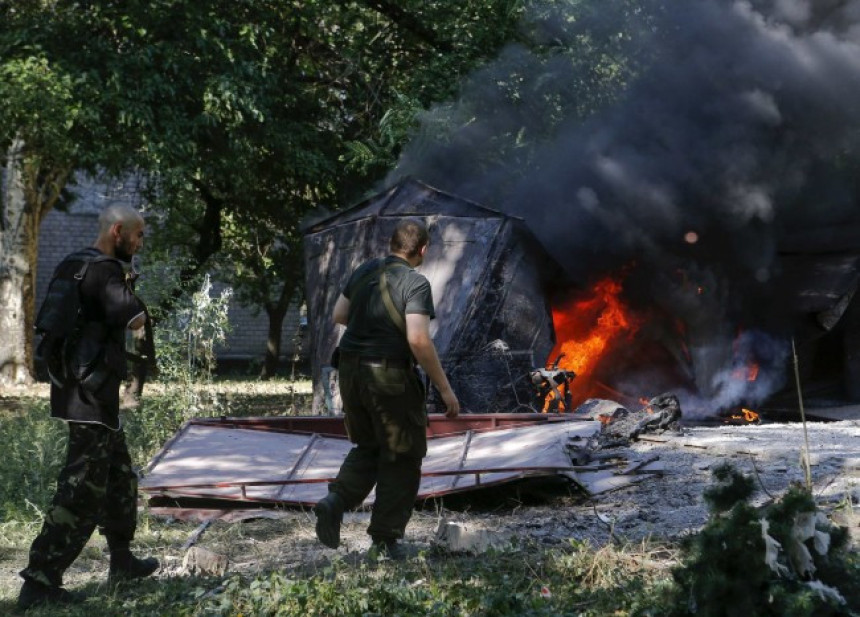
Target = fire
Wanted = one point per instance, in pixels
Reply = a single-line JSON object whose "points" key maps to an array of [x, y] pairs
{"points": [[747, 373], [747, 416], [587, 328], [752, 374]]}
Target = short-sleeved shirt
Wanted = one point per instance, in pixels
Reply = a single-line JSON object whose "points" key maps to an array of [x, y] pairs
{"points": [[370, 331]]}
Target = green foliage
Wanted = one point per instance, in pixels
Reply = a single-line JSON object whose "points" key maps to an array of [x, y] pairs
{"points": [[526, 582], [493, 585], [34, 450], [197, 322], [731, 487], [37, 104], [186, 339], [756, 563]]}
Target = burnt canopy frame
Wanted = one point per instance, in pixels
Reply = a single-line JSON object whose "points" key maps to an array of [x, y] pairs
{"points": [[490, 280]]}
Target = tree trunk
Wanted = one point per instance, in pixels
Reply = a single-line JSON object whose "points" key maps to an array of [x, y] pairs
{"points": [[27, 195], [273, 341], [276, 312], [209, 242]]}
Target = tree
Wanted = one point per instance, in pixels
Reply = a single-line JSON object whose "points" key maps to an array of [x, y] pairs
{"points": [[45, 127], [176, 89], [342, 88], [232, 110]]}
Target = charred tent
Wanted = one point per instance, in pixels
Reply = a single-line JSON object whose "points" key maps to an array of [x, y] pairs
{"points": [[489, 277]]}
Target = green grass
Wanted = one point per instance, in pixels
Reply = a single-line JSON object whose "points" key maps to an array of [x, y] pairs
{"points": [[530, 580], [34, 445], [34, 450], [496, 584]]}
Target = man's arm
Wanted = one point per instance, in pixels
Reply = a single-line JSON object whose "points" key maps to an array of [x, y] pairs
{"points": [[341, 310], [418, 335], [137, 322], [122, 308]]}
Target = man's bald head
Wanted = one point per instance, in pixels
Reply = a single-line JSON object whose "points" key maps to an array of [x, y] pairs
{"points": [[118, 213], [120, 232]]}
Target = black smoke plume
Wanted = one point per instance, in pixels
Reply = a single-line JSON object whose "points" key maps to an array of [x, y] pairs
{"points": [[700, 141]]}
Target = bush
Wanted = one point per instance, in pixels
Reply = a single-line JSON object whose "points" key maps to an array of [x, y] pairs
{"points": [[786, 560], [185, 342]]}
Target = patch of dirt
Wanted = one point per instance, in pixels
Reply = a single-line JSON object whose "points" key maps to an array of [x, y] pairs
{"points": [[14, 399]]}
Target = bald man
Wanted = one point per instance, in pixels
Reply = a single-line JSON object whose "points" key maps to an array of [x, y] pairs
{"points": [[98, 485]]}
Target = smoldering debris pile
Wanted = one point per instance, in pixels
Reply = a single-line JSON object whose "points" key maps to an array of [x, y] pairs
{"points": [[620, 426], [603, 461]]}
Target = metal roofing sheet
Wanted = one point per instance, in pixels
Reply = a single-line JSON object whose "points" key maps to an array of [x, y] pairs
{"points": [[218, 462]]}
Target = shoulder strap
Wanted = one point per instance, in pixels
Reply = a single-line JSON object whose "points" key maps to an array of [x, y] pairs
{"points": [[395, 315], [87, 257]]}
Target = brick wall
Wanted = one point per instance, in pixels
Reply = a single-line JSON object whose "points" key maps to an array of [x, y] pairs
{"points": [[62, 233], [247, 337]]}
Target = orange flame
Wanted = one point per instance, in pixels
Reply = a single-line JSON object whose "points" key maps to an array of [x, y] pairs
{"points": [[747, 373], [746, 415], [752, 373], [749, 415], [587, 328], [555, 399]]}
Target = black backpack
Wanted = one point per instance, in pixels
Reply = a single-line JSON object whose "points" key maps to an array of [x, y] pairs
{"points": [[60, 319]]}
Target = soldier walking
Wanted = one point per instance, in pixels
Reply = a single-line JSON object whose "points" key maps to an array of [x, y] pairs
{"points": [[98, 485], [386, 308]]}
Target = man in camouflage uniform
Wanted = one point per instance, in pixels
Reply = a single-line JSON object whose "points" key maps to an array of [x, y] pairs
{"points": [[386, 308], [98, 485]]}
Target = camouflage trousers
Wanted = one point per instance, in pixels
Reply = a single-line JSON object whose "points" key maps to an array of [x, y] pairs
{"points": [[386, 419], [97, 487]]}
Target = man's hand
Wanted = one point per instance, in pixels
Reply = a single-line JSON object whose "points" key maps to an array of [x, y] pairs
{"points": [[418, 335], [452, 405], [138, 322]]}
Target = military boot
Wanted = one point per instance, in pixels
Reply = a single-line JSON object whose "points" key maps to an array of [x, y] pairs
{"points": [[329, 513], [387, 549], [34, 593], [124, 567]]}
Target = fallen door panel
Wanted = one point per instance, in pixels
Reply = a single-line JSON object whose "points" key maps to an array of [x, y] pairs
{"points": [[211, 462]]}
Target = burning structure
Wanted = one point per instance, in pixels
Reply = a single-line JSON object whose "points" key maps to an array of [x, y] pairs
{"points": [[711, 194], [705, 215], [515, 334]]}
